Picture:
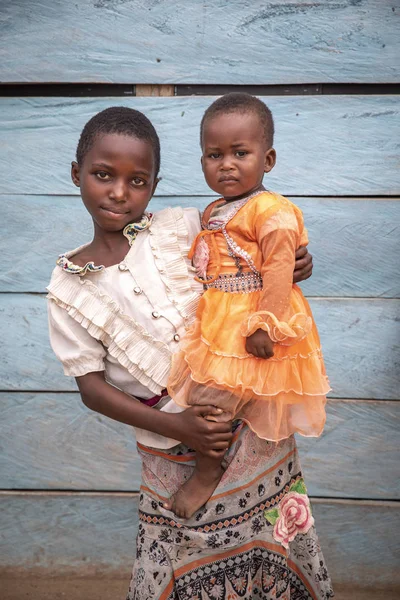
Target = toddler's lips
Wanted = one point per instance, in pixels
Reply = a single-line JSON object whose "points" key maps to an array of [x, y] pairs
{"points": [[228, 180]]}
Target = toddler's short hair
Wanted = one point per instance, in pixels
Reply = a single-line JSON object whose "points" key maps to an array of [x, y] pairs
{"points": [[121, 120], [242, 103]]}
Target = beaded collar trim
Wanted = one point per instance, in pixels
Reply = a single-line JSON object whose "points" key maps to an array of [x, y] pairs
{"points": [[237, 205], [234, 250], [131, 232]]}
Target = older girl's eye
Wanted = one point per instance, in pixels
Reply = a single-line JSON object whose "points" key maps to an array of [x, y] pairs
{"points": [[138, 181], [102, 175], [214, 155]]}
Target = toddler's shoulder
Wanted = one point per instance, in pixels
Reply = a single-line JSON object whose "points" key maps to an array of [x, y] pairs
{"points": [[273, 211], [272, 201]]}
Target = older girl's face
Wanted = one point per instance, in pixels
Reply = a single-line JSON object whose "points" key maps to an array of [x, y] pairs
{"points": [[117, 180]]}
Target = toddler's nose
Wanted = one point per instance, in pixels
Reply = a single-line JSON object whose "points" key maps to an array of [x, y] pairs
{"points": [[226, 164]]}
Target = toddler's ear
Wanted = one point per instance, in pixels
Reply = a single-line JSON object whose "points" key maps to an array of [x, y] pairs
{"points": [[75, 173], [270, 160]]}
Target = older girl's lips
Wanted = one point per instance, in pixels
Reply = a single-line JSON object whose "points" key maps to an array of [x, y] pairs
{"points": [[114, 211]]}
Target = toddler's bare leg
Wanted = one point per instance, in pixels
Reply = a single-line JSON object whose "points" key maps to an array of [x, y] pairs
{"points": [[207, 474], [198, 489]]}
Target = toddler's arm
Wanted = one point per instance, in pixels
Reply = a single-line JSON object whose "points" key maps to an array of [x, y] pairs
{"points": [[275, 322]]}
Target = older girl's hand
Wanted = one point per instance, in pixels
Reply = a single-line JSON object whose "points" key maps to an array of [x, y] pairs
{"points": [[303, 266], [194, 430]]}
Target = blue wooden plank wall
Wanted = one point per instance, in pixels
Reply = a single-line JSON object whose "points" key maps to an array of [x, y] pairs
{"points": [[69, 478], [224, 41]]}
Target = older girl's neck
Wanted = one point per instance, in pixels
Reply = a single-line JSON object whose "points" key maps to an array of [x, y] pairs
{"points": [[107, 247], [111, 241]]}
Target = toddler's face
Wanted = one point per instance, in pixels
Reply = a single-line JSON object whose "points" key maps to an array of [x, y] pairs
{"points": [[116, 179], [235, 154]]}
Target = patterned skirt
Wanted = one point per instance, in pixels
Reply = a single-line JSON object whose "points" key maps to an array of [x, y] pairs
{"points": [[255, 538]]}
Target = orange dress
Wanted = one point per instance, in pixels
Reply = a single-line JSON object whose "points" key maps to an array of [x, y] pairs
{"points": [[246, 254]]}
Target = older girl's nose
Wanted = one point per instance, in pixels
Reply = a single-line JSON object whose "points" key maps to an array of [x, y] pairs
{"points": [[119, 191]]}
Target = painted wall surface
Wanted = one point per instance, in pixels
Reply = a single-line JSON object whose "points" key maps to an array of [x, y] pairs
{"points": [[70, 478]]}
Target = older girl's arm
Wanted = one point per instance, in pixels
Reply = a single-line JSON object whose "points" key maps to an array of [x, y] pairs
{"points": [[189, 426]]}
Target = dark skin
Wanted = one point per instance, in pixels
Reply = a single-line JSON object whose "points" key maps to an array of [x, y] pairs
{"points": [[117, 180], [235, 157]]}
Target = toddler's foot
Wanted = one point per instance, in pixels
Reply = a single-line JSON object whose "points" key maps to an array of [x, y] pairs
{"points": [[194, 493]]}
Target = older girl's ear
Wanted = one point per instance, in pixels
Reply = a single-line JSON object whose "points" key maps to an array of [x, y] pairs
{"points": [[75, 173], [156, 182], [270, 160]]}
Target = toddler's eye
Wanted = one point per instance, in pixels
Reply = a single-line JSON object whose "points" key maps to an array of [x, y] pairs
{"points": [[214, 155], [102, 175], [241, 153]]}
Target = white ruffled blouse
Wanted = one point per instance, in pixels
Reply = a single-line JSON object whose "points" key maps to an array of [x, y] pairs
{"points": [[127, 319]]}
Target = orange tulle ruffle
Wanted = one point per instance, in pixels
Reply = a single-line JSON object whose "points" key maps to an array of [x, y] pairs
{"points": [[276, 397]]}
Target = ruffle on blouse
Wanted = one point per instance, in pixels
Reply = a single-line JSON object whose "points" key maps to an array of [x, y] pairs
{"points": [[147, 359], [170, 245], [131, 232], [287, 334]]}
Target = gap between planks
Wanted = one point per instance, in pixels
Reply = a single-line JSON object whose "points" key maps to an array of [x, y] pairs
{"points": [[108, 494], [330, 399], [155, 90], [392, 197]]}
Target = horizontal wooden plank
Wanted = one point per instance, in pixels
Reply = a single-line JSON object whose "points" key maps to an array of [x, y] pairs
{"points": [[335, 465], [49, 441], [101, 41], [86, 534], [52, 441], [327, 145], [359, 338], [354, 241]]}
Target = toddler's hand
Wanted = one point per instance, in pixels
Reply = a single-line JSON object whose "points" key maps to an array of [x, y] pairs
{"points": [[259, 344]]}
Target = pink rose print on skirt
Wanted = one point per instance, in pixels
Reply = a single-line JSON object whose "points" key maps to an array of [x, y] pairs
{"points": [[292, 516], [200, 258]]}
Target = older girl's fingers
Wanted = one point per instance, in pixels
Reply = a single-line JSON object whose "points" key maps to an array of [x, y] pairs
{"points": [[300, 252], [220, 445], [303, 263], [216, 453], [303, 273], [223, 428]]}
